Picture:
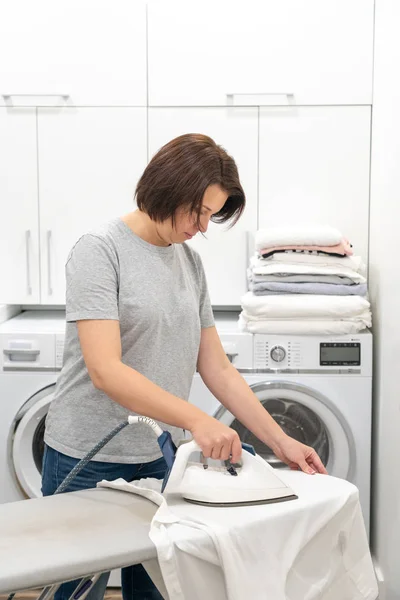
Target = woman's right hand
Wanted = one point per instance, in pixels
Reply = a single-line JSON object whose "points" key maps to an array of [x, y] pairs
{"points": [[216, 440]]}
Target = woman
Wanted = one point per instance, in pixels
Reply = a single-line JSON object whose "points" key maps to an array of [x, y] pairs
{"points": [[139, 320]]}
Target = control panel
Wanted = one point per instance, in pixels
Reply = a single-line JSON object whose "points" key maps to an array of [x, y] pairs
{"points": [[340, 353], [343, 354], [278, 353]]}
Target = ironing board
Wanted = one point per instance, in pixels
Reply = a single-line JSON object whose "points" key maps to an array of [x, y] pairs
{"points": [[45, 541]]}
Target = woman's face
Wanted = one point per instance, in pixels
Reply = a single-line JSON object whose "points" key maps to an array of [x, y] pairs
{"points": [[185, 226]]}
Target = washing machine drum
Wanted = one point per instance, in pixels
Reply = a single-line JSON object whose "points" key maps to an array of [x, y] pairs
{"points": [[298, 421], [28, 443], [304, 415]]}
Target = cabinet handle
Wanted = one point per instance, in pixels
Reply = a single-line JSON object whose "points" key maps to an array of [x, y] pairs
{"points": [[289, 95], [6, 96], [249, 251], [261, 94], [50, 289], [28, 268], [33, 100]]}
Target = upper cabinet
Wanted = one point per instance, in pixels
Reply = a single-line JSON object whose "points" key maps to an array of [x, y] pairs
{"points": [[314, 168], [90, 160], [75, 53], [224, 251], [260, 52], [19, 227]]}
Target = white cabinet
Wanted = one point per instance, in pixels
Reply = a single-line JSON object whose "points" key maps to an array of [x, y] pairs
{"points": [[314, 167], [284, 86], [90, 160], [19, 232], [304, 52], [224, 252], [90, 53]]}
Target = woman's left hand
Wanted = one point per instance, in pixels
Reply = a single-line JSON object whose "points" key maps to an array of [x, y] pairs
{"points": [[299, 456]]}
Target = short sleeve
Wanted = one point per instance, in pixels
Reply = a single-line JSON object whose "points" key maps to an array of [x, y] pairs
{"points": [[92, 280], [206, 313]]}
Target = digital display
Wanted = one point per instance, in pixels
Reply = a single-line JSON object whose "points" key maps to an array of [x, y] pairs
{"points": [[340, 354]]}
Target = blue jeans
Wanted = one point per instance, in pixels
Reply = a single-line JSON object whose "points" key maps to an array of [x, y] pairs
{"points": [[136, 584]]}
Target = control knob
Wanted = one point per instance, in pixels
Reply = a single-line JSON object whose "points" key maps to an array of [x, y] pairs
{"points": [[278, 353]]}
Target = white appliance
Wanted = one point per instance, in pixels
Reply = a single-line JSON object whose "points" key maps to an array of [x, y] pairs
{"points": [[31, 352], [318, 388]]}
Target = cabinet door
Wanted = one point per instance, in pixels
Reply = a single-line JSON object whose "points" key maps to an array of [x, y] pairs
{"points": [[314, 168], [19, 242], [90, 53], [89, 162], [224, 252], [260, 52]]}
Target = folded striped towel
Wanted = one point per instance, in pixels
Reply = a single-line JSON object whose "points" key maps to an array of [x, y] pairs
{"points": [[341, 249], [291, 269], [351, 262]]}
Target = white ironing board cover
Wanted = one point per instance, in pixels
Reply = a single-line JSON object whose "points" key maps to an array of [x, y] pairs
{"points": [[59, 538]]}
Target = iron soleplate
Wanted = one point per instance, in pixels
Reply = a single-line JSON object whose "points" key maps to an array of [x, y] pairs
{"points": [[237, 504]]}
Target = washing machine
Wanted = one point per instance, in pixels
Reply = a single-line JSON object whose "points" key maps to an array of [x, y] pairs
{"points": [[31, 353], [318, 388]]}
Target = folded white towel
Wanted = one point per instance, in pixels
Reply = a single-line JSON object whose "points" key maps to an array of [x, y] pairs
{"points": [[274, 268], [305, 235], [287, 258], [306, 326], [313, 306]]}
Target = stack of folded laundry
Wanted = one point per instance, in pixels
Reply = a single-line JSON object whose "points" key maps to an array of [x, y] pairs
{"points": [[305, 280]]}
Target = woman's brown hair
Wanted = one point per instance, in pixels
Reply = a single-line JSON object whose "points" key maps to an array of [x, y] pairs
{"points": [[179, 174]]}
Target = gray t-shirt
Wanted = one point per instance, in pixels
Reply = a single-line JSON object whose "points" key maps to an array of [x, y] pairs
{"points": [[159, 295]]}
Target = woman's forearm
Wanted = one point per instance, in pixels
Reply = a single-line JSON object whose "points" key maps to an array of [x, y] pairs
{"points": [[229, 387], [135, 392]]}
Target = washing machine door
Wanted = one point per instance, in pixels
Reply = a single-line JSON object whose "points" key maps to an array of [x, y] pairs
{"points": [[27, 444], [306, 415]]}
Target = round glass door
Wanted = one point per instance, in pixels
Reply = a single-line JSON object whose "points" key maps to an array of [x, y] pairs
{"points": [[28, 444], [305, 415]]}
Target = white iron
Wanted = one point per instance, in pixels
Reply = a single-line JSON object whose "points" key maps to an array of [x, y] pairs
{"points": [[254, 481]]}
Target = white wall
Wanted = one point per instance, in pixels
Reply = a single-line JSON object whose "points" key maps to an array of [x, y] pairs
{"points": [[385, 293]]}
